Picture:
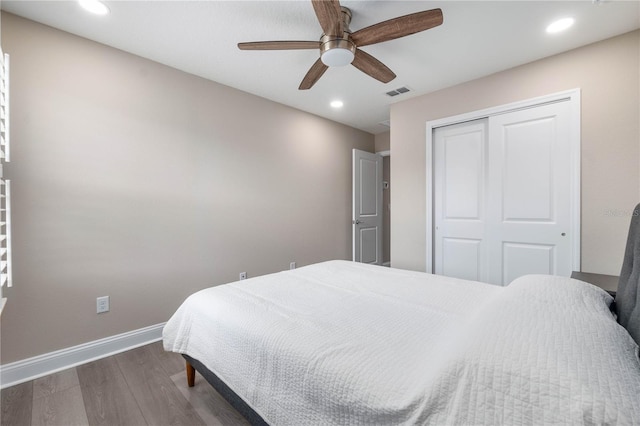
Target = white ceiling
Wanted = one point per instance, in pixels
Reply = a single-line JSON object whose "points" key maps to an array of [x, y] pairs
{"points": [[477, 38]]}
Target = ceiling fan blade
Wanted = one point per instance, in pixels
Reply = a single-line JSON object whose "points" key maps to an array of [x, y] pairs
{"points": [[398, 27], [313, 75], [329, 15], [373, 67], [279, 45]]}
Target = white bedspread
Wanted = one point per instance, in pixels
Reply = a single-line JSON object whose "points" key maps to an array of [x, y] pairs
{"points": [[341, 343]]}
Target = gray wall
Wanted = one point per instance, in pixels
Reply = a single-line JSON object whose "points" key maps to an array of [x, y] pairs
{"points": [[608, 74], [386, 210], [383, 143], [134, 180]]}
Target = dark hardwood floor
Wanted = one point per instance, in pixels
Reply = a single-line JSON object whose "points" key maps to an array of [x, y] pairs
{"points": [[144, 386]]}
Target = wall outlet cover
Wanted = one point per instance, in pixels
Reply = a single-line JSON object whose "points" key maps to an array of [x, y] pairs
{"points": [[102, 304]]}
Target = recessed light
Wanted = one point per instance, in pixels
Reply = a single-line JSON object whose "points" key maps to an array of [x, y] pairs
{"points": [[560, 25], [336, 104], [94, 6]]}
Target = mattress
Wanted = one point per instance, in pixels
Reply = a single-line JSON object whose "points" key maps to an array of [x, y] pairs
{"points": [[341, 343]]}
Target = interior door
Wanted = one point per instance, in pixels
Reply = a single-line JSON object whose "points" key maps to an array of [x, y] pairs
{"points": [[367, 207], [459, 201], [529, 209], [502, 196]]}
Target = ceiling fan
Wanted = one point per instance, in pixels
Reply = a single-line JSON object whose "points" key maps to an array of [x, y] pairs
{"points": [[339, 46]]}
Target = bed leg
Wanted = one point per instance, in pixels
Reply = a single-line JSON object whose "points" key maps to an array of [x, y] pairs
{"points": [[191, 375]]}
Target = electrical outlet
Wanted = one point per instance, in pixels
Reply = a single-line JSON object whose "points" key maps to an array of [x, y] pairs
{"points": [[292, 265], [243, 275], [102, 304]]}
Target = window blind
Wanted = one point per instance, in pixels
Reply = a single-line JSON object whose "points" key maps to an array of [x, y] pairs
{"points": [[5, 184]]}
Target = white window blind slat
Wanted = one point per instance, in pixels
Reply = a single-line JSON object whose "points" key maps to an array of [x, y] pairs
{"points": [[6, 278], [7, 256], [6, 103]]}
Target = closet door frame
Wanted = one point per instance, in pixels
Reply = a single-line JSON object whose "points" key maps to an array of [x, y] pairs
{"points": [[571, 96]]}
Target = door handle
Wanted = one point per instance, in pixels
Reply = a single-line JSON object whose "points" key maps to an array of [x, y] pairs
{"points": [[357, 222]]}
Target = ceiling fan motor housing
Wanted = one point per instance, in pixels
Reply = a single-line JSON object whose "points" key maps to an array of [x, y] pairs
{"points": [[338, 50]]}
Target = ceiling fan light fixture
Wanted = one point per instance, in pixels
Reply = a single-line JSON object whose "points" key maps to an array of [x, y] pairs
{"points": [[337, 52], [337, 57]]}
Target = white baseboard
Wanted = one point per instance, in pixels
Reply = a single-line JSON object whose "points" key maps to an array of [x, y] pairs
{"points": [[42, 365]]}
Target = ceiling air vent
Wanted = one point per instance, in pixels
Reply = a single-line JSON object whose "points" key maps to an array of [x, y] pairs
{"points": [[398, 91]]}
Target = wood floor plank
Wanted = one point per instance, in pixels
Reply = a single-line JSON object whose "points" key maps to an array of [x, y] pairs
{"points": [[208, 403], [17, 403], [133, 388], [172, 362], [60, 408], [52, 383], [107, 397], [157, 396]]}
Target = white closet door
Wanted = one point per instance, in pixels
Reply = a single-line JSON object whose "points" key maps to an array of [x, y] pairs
{"points": [[460, 192], [502, 196], [528, 214]]}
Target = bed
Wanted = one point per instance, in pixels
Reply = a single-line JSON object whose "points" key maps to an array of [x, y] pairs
{"points": [[343, 343]]}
